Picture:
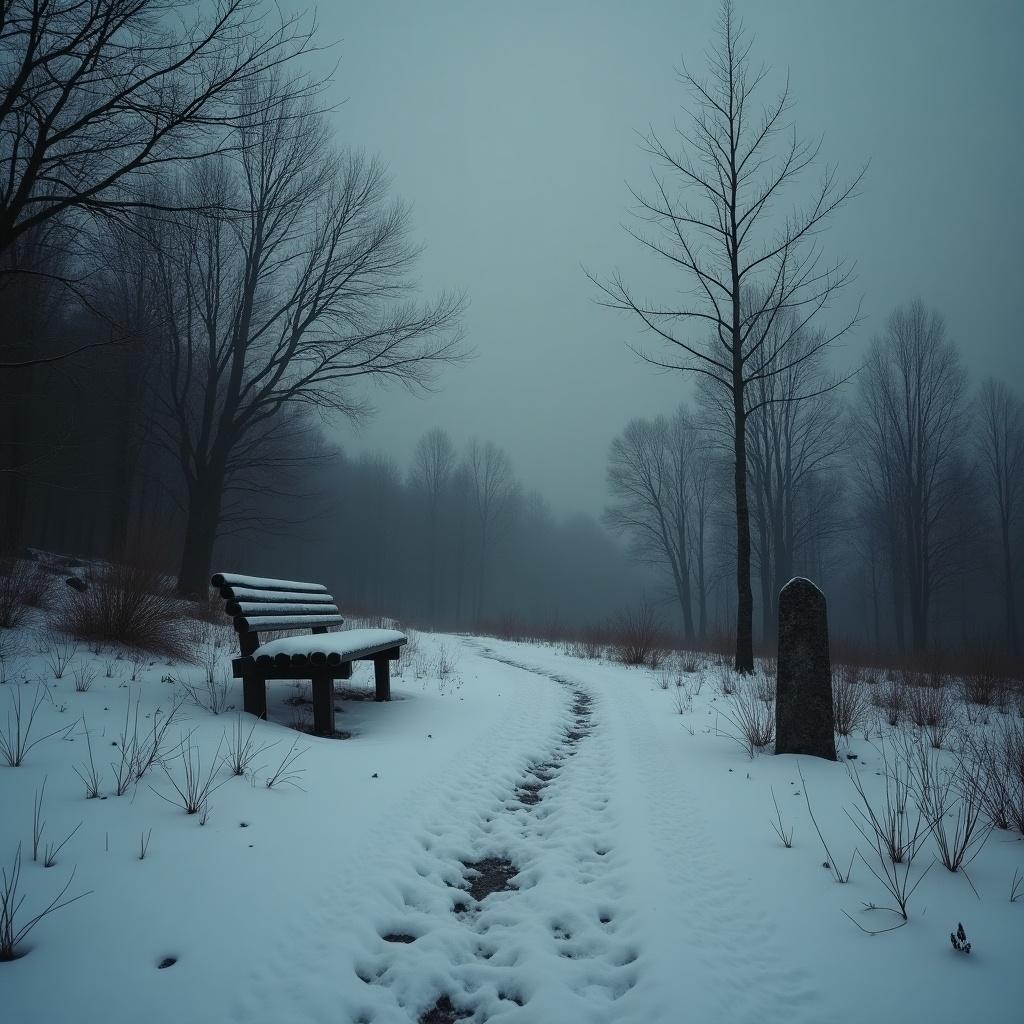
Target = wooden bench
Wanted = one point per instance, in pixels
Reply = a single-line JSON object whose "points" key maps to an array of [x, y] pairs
{"points": [[260, 605]]}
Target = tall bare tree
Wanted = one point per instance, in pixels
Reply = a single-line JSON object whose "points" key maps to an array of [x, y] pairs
{"points": [[710, 212], [909, 424], [288, 304], [1000, 442]]}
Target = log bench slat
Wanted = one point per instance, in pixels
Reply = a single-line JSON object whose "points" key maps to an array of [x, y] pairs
{"points": [[277, 596], [269, 608], [256, 623], [260, 604], [234, 579]]}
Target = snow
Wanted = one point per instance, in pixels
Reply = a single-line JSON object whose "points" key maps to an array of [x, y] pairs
{"points": [[234, 579], [254, 623], [802, 580], [262, 607], [349, 641], [248, 594], [650, 885]]}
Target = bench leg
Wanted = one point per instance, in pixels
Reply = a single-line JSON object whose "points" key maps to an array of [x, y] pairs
{"points": [[323, 705], [254, 695], [382, 676]]}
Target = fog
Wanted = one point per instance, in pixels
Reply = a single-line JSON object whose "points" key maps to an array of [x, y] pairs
{"points": [[534, 317], [512, 130]]}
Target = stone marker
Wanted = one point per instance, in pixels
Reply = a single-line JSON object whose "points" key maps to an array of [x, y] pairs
{"points": [[803, 702]]}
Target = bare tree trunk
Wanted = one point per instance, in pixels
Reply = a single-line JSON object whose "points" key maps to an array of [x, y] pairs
{"points": [[702, 582], [1012, 638], [898, 596], [744, 594], [204, 507]]}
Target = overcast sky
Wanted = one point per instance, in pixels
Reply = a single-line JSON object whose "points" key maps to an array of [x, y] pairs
{"points": [[511, 128]]}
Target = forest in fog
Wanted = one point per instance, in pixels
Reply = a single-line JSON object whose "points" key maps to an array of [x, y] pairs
{"points": [[201, 287], [455, 540]]}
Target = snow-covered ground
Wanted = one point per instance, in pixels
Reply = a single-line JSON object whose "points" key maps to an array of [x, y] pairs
{"points": [[648, 883]]}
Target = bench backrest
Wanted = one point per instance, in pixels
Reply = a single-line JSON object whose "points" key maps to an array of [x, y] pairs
{"points": [[259, 604]]}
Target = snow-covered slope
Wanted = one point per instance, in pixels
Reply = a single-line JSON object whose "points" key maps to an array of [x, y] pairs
{"points": [[645, 881]]}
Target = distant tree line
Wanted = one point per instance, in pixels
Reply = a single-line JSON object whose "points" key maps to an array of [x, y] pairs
{"points": [[900, 493]]}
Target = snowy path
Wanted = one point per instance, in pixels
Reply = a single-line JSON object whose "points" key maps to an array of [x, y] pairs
{"points": [[683, 916], [522, 838], [620, 908]]}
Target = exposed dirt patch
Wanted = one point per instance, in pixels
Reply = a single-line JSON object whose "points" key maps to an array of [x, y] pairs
{"points": [[398, 937], [492, 874], [529, 793], [442, 1012]]}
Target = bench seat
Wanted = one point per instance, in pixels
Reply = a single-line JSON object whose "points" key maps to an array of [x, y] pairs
{"points": [[333, 647]]}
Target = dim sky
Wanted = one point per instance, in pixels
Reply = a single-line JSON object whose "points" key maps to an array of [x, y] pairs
{"points": [[510, 127]]}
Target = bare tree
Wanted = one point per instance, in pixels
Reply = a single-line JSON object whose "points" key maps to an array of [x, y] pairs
{"points": [[710, 211], [493, 490], [909, 424], [658, 473], [433, 462], [96, 96], [289, 304], [1000, 442], [792, 442]]}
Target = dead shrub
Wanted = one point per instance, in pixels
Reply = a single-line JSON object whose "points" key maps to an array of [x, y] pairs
{"points": [[726, 679], [999, 754], [22, 584], [751, 716], [981, 688], [129, 603], [851, 699], [890, 697], [933, 710], [639, 639], [689, 661], [985, 685]]}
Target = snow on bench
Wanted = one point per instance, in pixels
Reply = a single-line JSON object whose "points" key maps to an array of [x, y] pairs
{"points": [[330, 647], [259, 604]]}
